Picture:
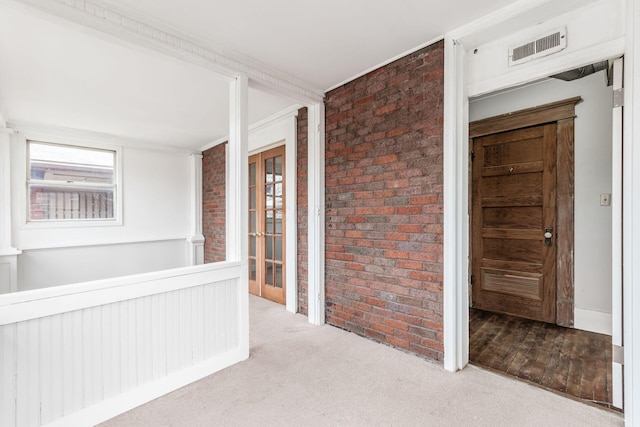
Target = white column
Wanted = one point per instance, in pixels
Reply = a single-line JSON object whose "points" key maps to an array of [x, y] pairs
{"points": [[196, 240], [237, 211], [316, 214], [8, 254], [291, 173], [631, 217], [456, 208]]}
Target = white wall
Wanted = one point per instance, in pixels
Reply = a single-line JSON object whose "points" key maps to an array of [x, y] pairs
{"points": [[593, 33], [151, 236], [41, 268], [592, 258]]}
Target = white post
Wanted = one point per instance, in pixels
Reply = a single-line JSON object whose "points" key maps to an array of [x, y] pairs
{"points": [[292, 214], [631, 217], [196, 240], [316, 214], [8, 254], [456, 233], [237, 211]]}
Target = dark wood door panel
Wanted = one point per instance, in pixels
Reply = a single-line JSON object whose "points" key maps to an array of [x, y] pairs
{"points": [[513, 217], [505, 185], [519, 151], [513, 202]]}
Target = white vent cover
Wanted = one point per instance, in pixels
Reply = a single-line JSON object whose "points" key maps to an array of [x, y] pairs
{"points": [[544, 45]]}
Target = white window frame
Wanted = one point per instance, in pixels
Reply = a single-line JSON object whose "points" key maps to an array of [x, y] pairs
{"points": [[77, 142]]}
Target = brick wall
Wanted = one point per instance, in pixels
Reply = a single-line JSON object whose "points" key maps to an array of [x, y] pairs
{"points": [[303, 210], [384, 228], [213, 203]]}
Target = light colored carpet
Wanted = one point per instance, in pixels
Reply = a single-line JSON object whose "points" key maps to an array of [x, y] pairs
{"points": [[303, 375]]}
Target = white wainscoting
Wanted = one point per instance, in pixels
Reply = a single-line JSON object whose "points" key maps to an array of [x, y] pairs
{"points": [[81, 354]]}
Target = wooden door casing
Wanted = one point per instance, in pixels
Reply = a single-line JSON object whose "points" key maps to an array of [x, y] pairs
{"points": [[267, 219], [561, 114]]}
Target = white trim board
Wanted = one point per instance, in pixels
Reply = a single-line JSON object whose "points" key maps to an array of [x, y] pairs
{"points": [[592, 321]]}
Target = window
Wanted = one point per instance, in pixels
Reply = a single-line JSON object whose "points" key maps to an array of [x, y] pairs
{"points": [[67, 183]]}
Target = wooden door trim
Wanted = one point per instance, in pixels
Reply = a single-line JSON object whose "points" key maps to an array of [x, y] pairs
{"points": [[545, 113], [563, 113]]}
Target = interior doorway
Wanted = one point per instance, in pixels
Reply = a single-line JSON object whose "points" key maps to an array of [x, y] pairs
{"points": [[267, 224], [584, 308]]}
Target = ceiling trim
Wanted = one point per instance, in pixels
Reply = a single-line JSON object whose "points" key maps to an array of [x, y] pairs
{"points": [[386, 62], [99, 16], [511, 18], [60, 134]]}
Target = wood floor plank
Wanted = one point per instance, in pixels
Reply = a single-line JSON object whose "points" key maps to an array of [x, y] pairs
{"points": [[567, 360]]}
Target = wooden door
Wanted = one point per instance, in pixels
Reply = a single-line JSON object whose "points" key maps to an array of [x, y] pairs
{"points": [[267, 217], [513, 207]]}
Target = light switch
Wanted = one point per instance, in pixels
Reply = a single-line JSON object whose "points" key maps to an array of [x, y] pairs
{"points": [[605, 199]]}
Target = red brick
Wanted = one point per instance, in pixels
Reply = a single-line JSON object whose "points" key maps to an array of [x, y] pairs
{"points": [[409, 210], [424, 200], [384, 199], [398, 342], [213, 203], [386, 159], [397, 132], [410, 265]]}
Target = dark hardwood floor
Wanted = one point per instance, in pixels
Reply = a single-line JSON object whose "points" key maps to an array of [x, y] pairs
{"points": [[566, 360]]}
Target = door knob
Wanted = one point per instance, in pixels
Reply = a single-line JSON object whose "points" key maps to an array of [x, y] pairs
{"points": [[548, 235]]}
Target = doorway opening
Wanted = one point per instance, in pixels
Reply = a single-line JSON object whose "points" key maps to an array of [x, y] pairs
{"points": [[267, 224], [541, 235]]}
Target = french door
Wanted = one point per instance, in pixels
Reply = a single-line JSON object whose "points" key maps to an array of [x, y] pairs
{"points": [[267, 207]]}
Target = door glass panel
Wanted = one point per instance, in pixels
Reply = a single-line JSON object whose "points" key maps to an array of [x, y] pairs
{"points": [[252, 222], [268, 170], [268, 189], [268, 221], [252, 174], [278, 168], [252, 198], [278, 274], [252, 269], [278, 251], [268, 273], [269, 247], [278, 196], [278, 223], [252, 246]]}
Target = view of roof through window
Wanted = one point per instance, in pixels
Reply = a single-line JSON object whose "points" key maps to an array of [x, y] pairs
{"points": [[67, 154]]}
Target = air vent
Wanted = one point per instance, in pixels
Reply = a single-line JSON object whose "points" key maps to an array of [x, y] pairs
{"points": [[542, 46]]}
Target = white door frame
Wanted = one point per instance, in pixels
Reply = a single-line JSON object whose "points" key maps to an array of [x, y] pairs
{"points": [[456, 206], [272, 132]]}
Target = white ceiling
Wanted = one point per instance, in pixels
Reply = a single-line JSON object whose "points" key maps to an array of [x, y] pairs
{"points": [[56, 73]]}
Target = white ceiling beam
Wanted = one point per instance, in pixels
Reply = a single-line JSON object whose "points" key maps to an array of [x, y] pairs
{"points": [[97, 15]]}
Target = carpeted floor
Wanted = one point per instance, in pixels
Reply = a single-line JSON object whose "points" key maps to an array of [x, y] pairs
{"points": [[303, 375]]}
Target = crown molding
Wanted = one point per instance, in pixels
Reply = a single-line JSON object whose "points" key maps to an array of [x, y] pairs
{"points": [[100, 16], [54, 133]]}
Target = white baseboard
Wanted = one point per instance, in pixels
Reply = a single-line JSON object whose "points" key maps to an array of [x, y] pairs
{"points": [[126, 401], [592, 321]]}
